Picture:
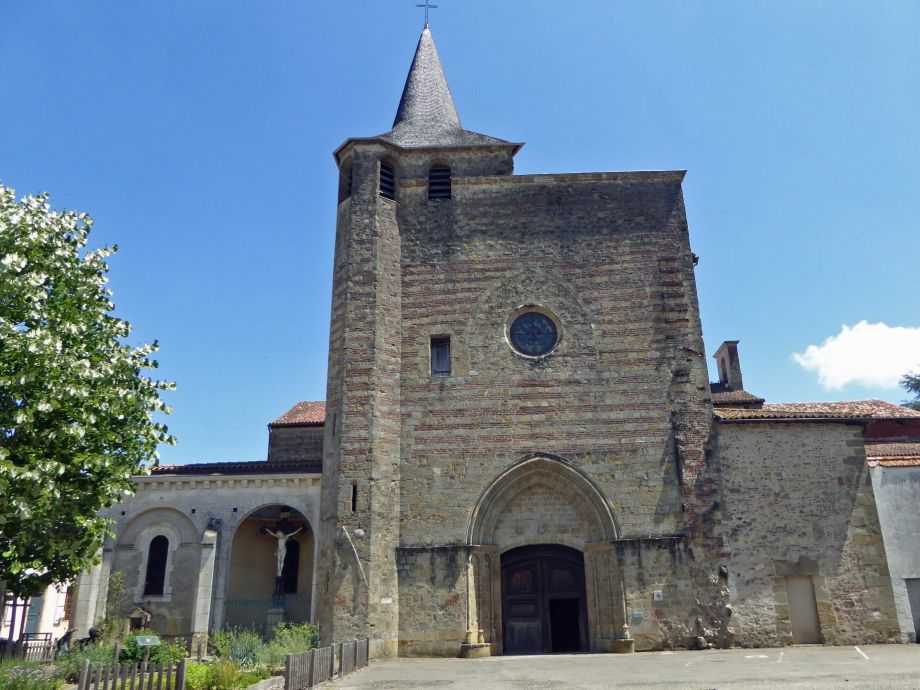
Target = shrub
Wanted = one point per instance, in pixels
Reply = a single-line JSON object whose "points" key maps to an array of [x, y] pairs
{"points": [[253, 676], [296, 637], [288, 638], [244, 647], [15, 675], [174, 651], [70, 662], [223, 675], [196, 675], [217, 675]]}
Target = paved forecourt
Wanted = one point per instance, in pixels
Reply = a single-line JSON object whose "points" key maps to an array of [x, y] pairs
{"points": [[870, 666]]}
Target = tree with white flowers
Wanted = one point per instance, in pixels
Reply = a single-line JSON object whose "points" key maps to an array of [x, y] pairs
{"points": [[76, 408]]}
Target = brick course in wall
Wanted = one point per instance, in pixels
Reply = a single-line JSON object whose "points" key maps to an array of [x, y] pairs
{"points": [[624, 397]]}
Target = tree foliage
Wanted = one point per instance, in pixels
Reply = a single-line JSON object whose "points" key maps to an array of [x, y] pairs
{"points": [[911, 383], [76, 410]]}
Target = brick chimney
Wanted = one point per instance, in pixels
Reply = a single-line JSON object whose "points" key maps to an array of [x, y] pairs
{"points": [[729, 366]]}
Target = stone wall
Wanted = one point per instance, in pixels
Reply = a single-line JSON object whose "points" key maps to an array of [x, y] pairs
{"points": [[623, 400], [303, 442], [200, 515], [897, 492], [357, 581], [799, 501]]}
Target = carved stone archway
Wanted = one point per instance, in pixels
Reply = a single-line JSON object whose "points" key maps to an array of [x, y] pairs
{"points": [[542, 499]]}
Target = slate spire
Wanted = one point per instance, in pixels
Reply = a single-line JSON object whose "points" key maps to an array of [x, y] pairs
{"points": [[426, 116], [426, 102]]}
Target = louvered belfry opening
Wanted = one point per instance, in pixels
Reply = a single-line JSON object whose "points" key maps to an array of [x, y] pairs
{"points": [[387, 181], [439, 182]]}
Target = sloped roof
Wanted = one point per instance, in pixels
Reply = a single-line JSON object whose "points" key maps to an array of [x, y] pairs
{"points": [[303, 413], [897, 454], [720, 396], [427, 116], [856, 409], [256, 467]]}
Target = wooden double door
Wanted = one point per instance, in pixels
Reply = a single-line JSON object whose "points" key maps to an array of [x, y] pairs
{"points": [[543, 600]]}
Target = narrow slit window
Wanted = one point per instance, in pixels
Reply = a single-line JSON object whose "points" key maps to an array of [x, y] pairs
{"points": [[387, 181], [439, 182], [156, 566], [354, 497], [440, 356]]}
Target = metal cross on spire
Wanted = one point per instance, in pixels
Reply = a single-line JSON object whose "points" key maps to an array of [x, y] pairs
{"points": [[427, 6]]}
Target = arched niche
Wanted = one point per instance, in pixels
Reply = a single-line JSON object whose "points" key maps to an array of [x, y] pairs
{"points": [[251, 590], [133, 550]]}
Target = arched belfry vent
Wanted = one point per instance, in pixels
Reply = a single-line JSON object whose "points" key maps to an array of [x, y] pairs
{"points": [[439, 182], [387, 181]]}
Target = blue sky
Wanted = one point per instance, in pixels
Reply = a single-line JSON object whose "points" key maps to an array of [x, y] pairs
{"points": [[199, 136]]}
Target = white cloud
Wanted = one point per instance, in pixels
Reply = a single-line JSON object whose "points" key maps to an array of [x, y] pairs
{"points": [[871, 354]]}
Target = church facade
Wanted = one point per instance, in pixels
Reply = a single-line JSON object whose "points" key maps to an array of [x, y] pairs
{"points": [[520, 450]]}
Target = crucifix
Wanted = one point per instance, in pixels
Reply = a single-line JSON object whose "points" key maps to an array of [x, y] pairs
{"points": [[281, 550], [427, 6]]}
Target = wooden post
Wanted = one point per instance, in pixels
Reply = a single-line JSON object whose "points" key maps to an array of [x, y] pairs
{"points": [[25, 616], [180, 676], [83, 681], [144, 667], [14, 604]]}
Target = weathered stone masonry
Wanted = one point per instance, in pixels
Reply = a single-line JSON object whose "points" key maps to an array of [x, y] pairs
{"points": [[620, 408], [599, 490]]}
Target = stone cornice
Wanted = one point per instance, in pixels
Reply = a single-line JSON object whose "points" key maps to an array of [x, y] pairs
{"points": [[216, 481]]}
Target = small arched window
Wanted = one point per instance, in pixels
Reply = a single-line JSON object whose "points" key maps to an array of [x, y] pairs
{"points": [[387, 181], [156, 566], [345, 184], [291, 567], [439, 182]]}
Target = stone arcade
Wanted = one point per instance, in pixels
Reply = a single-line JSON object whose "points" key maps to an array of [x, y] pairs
{"points": [[520, 450]]}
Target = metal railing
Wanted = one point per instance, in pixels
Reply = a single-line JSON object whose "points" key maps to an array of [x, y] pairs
{"points": [[308, 669], [249, 613], [30, 650]]}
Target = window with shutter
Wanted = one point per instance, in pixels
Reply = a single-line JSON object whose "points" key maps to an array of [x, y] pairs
{"points": [[440, 356]]}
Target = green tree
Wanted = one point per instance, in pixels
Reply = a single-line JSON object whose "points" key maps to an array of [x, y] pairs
{"points": [[76, 411], [911, 383]]}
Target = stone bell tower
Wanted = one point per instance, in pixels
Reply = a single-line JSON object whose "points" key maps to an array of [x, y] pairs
{"points": [[357, 586], [517, 400]]}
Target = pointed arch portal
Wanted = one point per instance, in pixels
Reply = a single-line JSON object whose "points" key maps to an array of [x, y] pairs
{"points": [[543, 575]]}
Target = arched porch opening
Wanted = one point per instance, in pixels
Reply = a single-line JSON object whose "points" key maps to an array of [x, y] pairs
{"points": [[271, 569], [542, 562]]}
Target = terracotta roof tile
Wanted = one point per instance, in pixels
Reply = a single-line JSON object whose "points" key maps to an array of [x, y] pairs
{"points": [[303, 413], [857, 409], [907, 461], [723, 397], [882, 449]]}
